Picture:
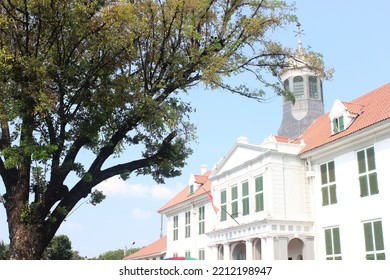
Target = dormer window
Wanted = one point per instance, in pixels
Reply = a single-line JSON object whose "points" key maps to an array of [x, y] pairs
{"points": [[191, 189], [343, 115], [338, 124]]}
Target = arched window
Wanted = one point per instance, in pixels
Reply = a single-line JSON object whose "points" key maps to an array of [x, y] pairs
{"points": [[298, 87], [286, 85], [313, 88]]}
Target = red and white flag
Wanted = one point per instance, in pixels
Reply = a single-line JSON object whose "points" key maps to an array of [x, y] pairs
{"points": [[211, 201]]}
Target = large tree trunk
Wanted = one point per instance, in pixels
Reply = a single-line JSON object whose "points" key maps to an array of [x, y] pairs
{"points": [[27, 232]]}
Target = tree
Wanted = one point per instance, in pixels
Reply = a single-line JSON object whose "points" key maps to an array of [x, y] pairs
{"points": [[4, 248], [106, 76], [60, 248], [118, 254]]}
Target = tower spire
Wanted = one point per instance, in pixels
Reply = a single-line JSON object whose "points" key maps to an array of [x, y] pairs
{"points": [[299, 34]]}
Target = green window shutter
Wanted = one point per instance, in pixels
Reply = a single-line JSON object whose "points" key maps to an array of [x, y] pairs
{"points": [[378, 236], [368, 237], [380, 256], [335, 126], [333, 197], [245, 189], [234, 209], [361, 161], [328, 242], [259, 202], [223, 197], [363, 185], [371, 158], [234, 193], [336, 241], [332, 175], [245, 206], [223, 213], [324, 176], [373, 183], [325, 196], [259, 184], [341, 123]]}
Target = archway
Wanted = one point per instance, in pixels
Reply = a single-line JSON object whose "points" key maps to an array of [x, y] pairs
{"points": [[257, 249], [295, 249], [239, 252], [220, 252]]}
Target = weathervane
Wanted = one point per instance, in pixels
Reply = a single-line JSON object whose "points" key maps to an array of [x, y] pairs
{"points": [[298, 34]]}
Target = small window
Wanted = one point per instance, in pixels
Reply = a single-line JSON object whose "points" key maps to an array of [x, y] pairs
{"points": [[245, 199], [367, 172], [313, 87], [176, 227], [298, 87], [223, 206], [332, 244], [191, 189], [286, 84], [188, 224], [373, 236], [234, 193], [338, 124], [328, 183], [201, 220], [259, 195], [201, 254]]}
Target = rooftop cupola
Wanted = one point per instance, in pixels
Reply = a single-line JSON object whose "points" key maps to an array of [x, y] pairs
{"points": [[306, 87]]}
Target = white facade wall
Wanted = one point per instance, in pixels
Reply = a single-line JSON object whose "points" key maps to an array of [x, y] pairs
{"points": [[196, 241], [287, 210], [351, 210]]}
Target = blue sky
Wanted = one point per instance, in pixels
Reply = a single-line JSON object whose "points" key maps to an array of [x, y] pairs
{"points": [[354, 38]]}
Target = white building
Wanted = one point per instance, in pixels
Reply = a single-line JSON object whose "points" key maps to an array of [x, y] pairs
{"points": [[317, 191], [189, 216], [265, 201], [347, 154]]}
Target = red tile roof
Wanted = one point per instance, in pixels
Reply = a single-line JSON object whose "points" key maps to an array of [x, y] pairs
{"points": [[282, 139], [370, 109], [184, 195], [155, 248]]}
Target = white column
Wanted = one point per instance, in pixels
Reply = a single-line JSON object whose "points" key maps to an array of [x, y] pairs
{"points": [[226, 251], [214, 253], [267, 248], [249, 249]]}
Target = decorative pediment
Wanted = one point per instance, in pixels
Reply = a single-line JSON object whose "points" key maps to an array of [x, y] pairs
{"points": [[240, 153]]}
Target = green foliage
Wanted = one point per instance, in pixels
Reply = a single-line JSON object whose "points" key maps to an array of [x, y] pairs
{"points": [[108, 76], [118, 254], [4, 249], [60, 248], [96, 197]]}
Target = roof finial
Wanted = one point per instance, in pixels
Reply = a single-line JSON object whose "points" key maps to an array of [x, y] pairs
{"points": [[298, 34]]}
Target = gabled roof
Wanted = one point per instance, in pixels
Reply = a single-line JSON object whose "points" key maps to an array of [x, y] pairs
{"points": [[156, 248], [184, 195], [370, 109]]}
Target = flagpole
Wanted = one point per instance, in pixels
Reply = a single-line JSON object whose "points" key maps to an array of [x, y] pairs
{"points": [[210, 197]]}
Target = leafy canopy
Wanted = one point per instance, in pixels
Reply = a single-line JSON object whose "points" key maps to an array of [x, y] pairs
{"points": [[104, 76]]}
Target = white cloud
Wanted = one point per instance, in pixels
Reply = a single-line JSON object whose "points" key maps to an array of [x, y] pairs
{"points": [[115, 186], [161, 192], [138, 213]]}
